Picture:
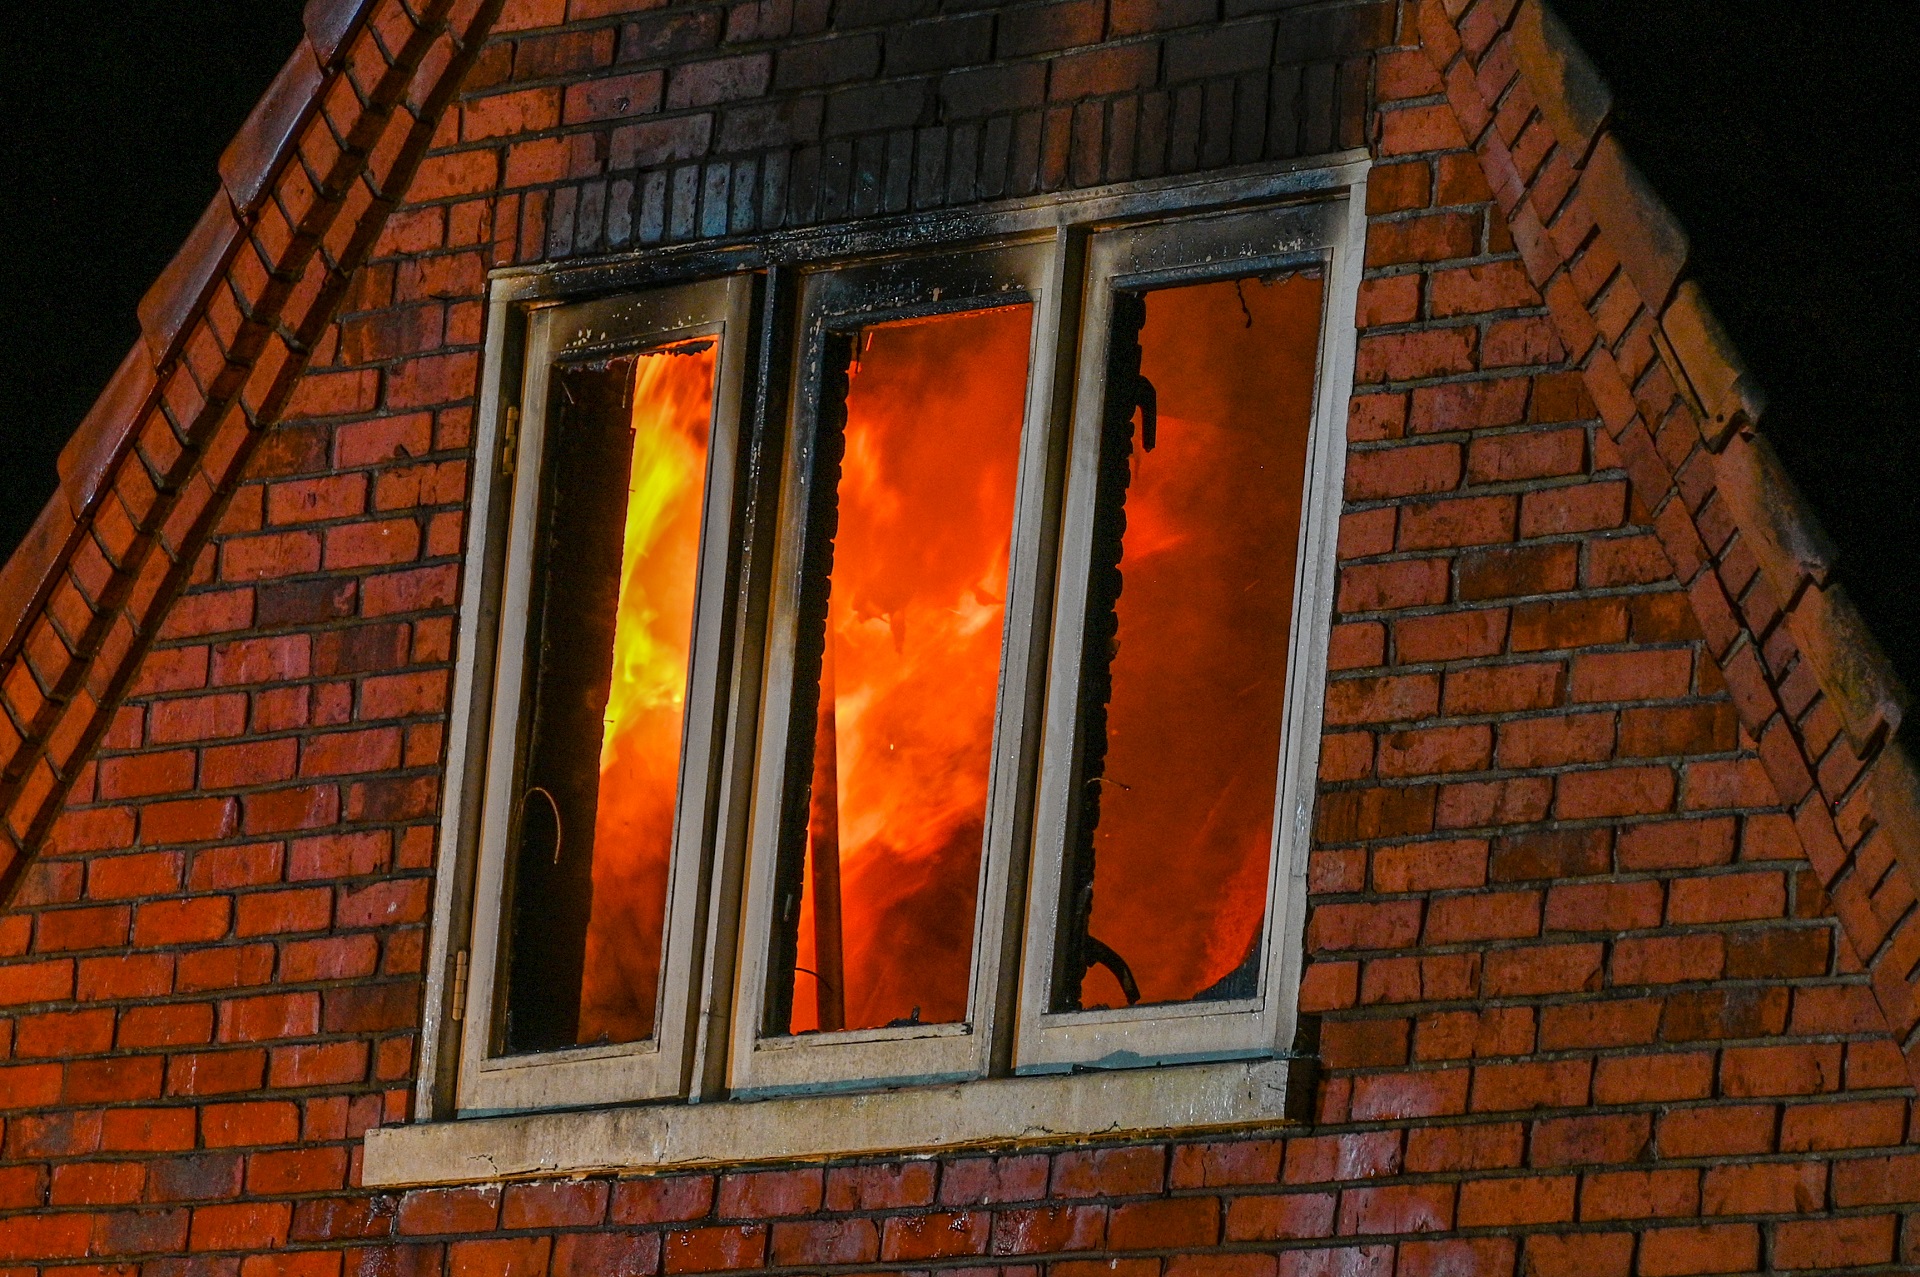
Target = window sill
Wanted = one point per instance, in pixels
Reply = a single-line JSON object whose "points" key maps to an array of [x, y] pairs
{"points": [[928, 1119]]}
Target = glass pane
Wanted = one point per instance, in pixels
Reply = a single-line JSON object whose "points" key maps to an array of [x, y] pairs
{"points": [[1196, 538], [881, 885], [627, 461]]}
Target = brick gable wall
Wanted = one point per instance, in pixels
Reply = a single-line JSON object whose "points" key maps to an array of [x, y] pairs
{"points": [[1584, 1004]]}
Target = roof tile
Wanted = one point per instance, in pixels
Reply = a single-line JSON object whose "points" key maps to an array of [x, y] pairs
{"points": [[330, 23], [1651, 244], [87, 460], [1574, 99], [1853, 671], [1713, 368], [1771, 514], [256, 150], [27, 573], [175, 297]]}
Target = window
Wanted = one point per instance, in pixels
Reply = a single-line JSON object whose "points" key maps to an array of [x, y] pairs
{"points": [[897, 662], [596, 812], [1188, 647]]}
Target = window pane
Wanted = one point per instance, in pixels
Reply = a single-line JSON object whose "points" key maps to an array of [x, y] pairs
{"points": [[627, 460], [1184, 679], [914, 578]]}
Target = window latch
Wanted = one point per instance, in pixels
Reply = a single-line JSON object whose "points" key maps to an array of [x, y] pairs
{"points": [[459, 1011], [510, 444]]}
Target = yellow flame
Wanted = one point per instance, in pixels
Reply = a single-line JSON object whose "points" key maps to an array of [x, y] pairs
{"points": [[640, 747], [671, 406]]}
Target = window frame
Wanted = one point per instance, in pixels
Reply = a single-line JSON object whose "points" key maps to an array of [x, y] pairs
{"points": [[768, 270], [1187, 250], [655, 1067], [836, 299]]}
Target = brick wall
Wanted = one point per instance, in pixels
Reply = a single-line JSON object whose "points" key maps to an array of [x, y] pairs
{"points": [[1585, 1007]]}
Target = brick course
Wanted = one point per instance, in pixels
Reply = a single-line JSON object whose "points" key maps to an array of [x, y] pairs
{"points": [[1611, 947]]}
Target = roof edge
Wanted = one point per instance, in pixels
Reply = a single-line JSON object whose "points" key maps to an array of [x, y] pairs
{"points": [[1810, 682], [305, 186]]}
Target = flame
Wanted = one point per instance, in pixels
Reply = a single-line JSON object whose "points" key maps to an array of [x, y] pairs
{"points": [[915, 619], [640, 746], [1212, 526]]}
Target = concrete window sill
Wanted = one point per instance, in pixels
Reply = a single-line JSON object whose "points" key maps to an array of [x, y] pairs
{"points": [[1002, 1111]]}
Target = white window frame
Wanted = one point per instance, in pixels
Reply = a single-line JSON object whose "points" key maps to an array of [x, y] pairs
{"points": [[656, 1067], [1157, 254], [841, 299], [777, 1109]]}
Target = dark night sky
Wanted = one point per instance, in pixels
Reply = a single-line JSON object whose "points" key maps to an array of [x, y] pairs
{"points": [[116, 113], [1779, 132]]}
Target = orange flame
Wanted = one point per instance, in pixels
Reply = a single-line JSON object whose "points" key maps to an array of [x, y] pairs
{"points": [[1212, 520], [915, 619], [640, 748]]}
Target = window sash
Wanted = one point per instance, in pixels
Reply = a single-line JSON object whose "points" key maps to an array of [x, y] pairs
{"points": [[1193, 250], [836, 300], [657, 1067]]}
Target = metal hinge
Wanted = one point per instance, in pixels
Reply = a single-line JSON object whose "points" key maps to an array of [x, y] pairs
{"points": [[510, 444], [460, 986]]}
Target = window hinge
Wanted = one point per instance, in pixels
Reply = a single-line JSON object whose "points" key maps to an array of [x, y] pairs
{"points": [[510, 444], [459, 986]]}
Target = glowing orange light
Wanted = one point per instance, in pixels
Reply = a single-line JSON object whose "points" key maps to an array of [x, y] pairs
{"points": [[640, 748], [915, 618], [1199, 680]]}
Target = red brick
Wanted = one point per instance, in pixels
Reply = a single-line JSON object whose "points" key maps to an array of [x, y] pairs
{"points": [[1585, 1141], [1406, 470], [1717, 1132], [978, 1181], [1109, 1172], [1556, 742], [1508, 915], [1764, 1189], [1416, 129], [1638, 1194], [1861, 1124], [141, 775], [1835, 1243], [1531, 1084], [882, 1187], [1280, 1217], [761, 1194], [1369, 587], [1504, 1203], [1236, 1161], [1464, 521], [1397, 1208], [1450, 636], [836, 1241], [597, 1254], [1497, 689], [502, 1257], [1464, 1148], [1179, 1221], [1388, 1097], [553, 1205], [1413, 355], [1543, 969], [1873, 1181], [1728, 898], [1711, 1248], [940, 1235], [229, 1125], [1669, 959], [449, 1210], [655, 1200], [1619, 791], [1500, 573]]}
